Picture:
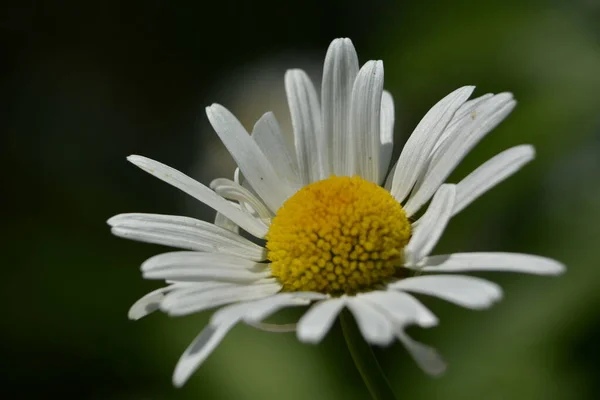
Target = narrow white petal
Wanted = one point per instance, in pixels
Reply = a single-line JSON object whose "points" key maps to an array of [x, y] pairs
{"points": [[466, 291], [273, 328], [185, 233], [306, 121], [194, 274], [431, 226], [417, 149], [508, 262], [220, 324], [374, 325], [200, 192], [203, 345], [402, 307], [365, 120], [390, 178], [386, 138], [270, 305], [177, 304], [250, 159], [491, 173], [427, 358], [317, 321], [199, 260], [267, 134], [148, 303], [339, 72], [467, 108], [225, 223], [464, 134], [234, 191]]}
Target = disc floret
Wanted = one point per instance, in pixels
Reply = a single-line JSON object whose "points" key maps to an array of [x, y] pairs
{"points": [[339, 235]]}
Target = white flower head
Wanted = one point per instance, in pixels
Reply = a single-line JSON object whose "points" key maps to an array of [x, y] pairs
{"points": [[336, 232]]}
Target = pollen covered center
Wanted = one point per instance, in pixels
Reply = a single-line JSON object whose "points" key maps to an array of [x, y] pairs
{"points": [[339, 235]]}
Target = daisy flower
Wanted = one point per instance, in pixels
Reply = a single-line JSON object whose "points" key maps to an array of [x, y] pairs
{"points": [[334, 226]]}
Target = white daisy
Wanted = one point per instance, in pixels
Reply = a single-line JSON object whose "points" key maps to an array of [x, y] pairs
{"points": [[331, 236]]}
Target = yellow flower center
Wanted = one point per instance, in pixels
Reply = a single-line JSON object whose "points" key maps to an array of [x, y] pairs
{"points": [[339, 235]]}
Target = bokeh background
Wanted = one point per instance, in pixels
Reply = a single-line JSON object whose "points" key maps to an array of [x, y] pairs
{"points": [[84, 84]]}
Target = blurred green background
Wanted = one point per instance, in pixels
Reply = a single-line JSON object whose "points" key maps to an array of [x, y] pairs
{"points": [[84, 84]]}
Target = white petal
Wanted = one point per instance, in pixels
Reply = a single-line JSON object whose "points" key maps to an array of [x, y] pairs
{"points": [[390, 178], [431, 225], [417, 149], [250, 159], [427, 358], [199, 260], [466, 291], [509, 262], [273, 328], [150, 302], [194, 274], [275, 303], [339, 73], [386, 138], [491, 173], [178, 303], [306, 121], [200, 192], [465, 134], [365, 120], [267, 134], [185, 233], [467, 108], [203, 345], [234, 191], [374, 325], [402, 307], [317, 321], [225, 223]]}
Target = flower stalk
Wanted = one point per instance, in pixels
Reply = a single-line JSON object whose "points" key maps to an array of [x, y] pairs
{"points": [[365, 360]]}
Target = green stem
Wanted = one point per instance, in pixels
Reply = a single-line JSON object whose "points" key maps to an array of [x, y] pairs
{"points": [[365, 360]]}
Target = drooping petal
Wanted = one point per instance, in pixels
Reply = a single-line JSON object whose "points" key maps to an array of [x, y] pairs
{"points": [[203, 345], [267, 134], [151, 301], [375, 326], [507, 262], [417, 149], [306, 121], [200, 348], [250, 159], [431, 226], [339, 72], [185, 233], [386, 137], [365, 120], [317, 321], [402, 307], [466, 291], [200, 192], [491, 173], [273, 328], [464, 134], [427, 358]]}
